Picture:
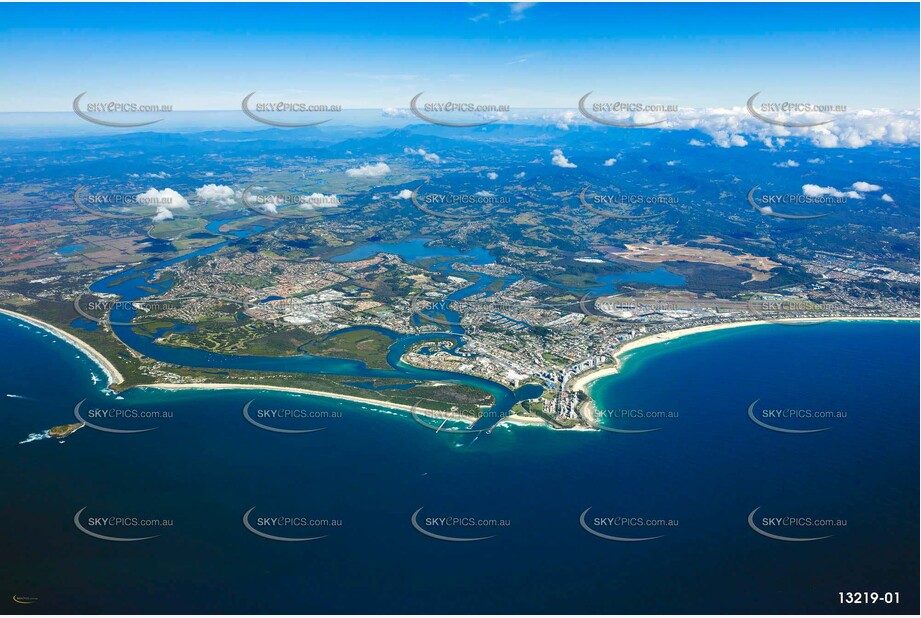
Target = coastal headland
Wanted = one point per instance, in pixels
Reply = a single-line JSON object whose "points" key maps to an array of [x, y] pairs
{"points": [[580, 384]]}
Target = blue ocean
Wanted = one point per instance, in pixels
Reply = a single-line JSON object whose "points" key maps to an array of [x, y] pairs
{"points": [[372, 490]]}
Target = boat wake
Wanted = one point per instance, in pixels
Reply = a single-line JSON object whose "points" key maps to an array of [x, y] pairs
{"points": [[36, 436]]}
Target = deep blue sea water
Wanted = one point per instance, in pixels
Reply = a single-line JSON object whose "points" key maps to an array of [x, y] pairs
{"points": [[370, 470]]}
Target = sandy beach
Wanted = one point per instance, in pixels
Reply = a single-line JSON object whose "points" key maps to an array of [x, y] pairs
{"points": [[535, 421], [114, 377], [433, 414], [582, 382], [587, 412], [112, 374]]}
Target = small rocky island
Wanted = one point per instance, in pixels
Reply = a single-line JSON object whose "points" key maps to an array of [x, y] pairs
{"points": [[62, 431]]}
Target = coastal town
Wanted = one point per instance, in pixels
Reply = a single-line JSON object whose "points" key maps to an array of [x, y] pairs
{"points": [[515, 335]]}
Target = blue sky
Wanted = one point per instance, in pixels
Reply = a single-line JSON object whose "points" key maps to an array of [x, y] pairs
{"points": [[208, 56]]}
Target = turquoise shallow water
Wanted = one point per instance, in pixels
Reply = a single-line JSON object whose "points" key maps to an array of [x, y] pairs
{"points": [[140, 281], [361, 478]]}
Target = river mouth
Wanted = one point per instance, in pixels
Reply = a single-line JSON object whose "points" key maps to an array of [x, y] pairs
{"points": [[441, 322], [141, 282]]}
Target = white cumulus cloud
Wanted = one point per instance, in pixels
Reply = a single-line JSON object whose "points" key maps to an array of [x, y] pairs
{"points": [[730, 127], [865, 187], [738, 140], [817, 191], [431, 157], [219, 194], [560, 160], [166, 201], [564, 120], [375, 170]]}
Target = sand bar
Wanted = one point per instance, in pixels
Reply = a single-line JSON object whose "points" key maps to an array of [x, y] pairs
{"points": [[435, 414], [114, 377]]}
